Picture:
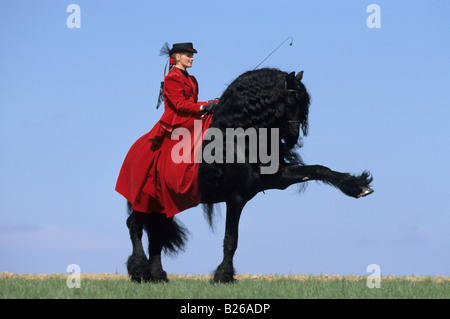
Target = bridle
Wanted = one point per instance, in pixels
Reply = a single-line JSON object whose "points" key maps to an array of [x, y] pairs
{"points": [[296, 96]]}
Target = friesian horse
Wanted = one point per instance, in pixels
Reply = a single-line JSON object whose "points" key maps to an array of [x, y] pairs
{"points": [[259, 101]]}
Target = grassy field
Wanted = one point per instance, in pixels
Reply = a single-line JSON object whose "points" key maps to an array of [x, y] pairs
{"points": [[106, 286]]}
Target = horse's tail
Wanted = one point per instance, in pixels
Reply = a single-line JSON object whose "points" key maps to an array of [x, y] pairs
{"points": [[170, 232], [208, 211], [209, 181], [175, 235]]}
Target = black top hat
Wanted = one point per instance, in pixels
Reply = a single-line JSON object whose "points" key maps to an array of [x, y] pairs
{"points": [[182, 47]]}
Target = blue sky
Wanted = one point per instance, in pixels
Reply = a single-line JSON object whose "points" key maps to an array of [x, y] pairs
{"points": [[72, 102]]}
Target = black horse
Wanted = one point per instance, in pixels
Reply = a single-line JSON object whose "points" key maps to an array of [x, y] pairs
{"points": [[259, 102]]}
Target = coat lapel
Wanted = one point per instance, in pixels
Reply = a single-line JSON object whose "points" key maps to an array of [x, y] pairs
{"points": [[187, 81]]}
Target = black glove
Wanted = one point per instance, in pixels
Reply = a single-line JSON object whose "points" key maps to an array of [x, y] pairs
{"points": [[209, 108]]}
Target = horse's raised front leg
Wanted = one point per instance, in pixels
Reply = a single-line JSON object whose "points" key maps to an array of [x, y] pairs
{"points": [[351, 185], [225, 271]]}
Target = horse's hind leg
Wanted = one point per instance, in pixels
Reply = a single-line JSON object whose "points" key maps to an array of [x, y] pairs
{"points": [[155, 225], [137, 264]]}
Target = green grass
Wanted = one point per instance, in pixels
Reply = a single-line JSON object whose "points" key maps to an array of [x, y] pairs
{"points": [[247, 288]]}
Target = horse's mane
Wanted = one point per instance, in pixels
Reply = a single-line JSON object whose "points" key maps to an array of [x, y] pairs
{"points": [[255, 99], [251, 100]]}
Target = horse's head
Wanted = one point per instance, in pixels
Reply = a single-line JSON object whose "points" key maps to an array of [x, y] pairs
{"points": [[296, 112]]}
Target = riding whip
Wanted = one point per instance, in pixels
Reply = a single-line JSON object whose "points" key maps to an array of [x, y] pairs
{"points": [[290, 44]]}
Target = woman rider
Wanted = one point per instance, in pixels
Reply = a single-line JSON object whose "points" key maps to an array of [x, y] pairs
{"points": [[149, 178]]}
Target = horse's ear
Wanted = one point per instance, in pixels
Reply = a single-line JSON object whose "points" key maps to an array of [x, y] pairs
{"points": [[290, 77], [290, 80], [299, 76]]}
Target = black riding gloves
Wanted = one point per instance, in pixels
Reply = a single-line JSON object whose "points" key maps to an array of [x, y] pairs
{"points": [[210, 108]]}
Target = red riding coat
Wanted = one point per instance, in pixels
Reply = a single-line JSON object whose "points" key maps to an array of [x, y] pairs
{"points": [[149, 178]]}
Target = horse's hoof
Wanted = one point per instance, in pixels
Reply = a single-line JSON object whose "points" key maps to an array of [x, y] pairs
{"points": [[365, 192], [159, 276], [223, 279], [136, 279], [159, 280]]}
